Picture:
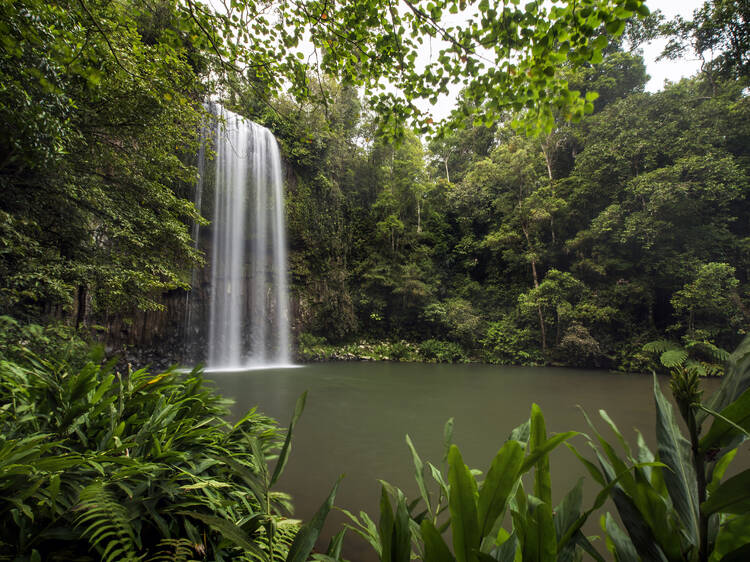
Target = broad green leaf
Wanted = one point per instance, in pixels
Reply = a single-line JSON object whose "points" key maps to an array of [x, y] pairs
{"points": [[569, 509], [638, 528], [435, 548], [733, 534], [537, 438], [722, 432], [539, 540], [463, 507], [732, 496], [719, 469], [735, 382], [385, 527], [401, 550], [674, 451], [618, 542], [498, 485]]}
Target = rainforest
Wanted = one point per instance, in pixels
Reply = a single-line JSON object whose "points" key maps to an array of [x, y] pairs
{"points": [[448, 182]]}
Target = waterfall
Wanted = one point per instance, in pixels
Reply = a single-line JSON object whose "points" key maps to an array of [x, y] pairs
{"points": [[247, 316]]}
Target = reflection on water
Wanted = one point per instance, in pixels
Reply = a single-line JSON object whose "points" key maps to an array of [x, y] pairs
{"points": [[357, 415]]}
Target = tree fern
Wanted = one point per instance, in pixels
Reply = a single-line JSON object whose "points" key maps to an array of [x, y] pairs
{"points": [[106, 524], [660, 346]]}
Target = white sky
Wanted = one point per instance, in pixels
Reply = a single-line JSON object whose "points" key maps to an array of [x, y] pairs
{"points": [[669, 70]]}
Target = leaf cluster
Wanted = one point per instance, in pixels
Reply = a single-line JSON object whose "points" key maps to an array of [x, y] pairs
{"points": [[99, 465]]}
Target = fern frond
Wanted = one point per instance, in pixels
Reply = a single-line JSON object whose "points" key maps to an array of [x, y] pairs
{"points": [[708, 351], [106, 524], [696, 367], [174, 550], [660, 346], [673, 358]]}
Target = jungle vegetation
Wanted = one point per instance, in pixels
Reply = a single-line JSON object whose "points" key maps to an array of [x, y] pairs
{"points": [[517, 232]]}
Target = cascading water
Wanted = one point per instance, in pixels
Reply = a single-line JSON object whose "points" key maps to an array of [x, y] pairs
{"points": [[247, 316]]}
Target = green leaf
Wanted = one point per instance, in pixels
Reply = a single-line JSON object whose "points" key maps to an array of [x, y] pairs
{"points": [[673, 358], [722, 432], [435, 548], [618, 542], [385, 527], [418, 472], [308, 535], [735, 382], [733, 496], [537, 438], [569, 509], [287, 447], [463, 507], [545, 449], [502, 477], [674, 451], [401, 550], [719, 469], [228, 530], [734, 534], [540, 540]]}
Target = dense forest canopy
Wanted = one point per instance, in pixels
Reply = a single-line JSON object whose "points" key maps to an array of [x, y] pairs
{"points": [[576, 244]]}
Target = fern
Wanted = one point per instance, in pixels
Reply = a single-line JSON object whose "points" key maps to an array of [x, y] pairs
{"points": [[174, 550], [708, 350], [660, 346], [106, 524], [673, 358]]}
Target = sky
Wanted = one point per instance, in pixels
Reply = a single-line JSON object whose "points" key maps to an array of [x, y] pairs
{"points": [[669, 70]]}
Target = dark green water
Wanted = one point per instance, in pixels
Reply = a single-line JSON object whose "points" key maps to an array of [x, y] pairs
{"points": [[357, 415]]}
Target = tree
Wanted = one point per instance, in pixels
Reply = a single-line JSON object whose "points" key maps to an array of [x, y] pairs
{"points": [[710, 302], [719, 34]]}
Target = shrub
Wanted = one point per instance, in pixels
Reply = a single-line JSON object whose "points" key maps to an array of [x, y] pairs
{"points": [[55, 340], [95, 465], [438, 351], [507, 344]]}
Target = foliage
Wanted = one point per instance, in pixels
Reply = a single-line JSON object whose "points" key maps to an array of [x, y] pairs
{"points": [[697, 357], [97, 465], [100, 113], [475, 511], [719, 34], [507, 344], [312, 348], [436, 351], [574, 248], [55, 340], [681, 510]]}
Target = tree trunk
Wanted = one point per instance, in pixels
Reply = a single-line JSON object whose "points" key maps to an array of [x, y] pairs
{"points": [[81, 312], [542, 327]]}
